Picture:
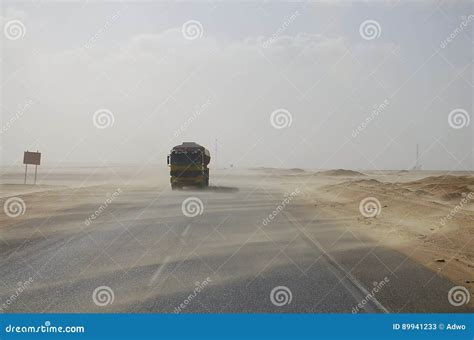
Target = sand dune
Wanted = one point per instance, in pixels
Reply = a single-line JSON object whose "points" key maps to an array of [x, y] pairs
{"points": [[281, 172], [340, 172], [431, 219], [444, 187]]}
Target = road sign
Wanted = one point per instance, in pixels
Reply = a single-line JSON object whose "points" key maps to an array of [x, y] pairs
{"points": [[31, 158]]}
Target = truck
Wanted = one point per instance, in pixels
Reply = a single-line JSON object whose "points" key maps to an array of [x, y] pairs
{"points": [[188, 164]]}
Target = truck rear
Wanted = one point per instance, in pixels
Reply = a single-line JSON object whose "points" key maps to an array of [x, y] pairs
{"points": [[189, 165]]}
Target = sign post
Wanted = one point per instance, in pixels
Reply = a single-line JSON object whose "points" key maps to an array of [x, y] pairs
{"points": [[31, 158]]}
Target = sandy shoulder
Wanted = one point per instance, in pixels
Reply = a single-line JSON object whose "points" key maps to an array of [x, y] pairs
{"points": [[427, 216]]}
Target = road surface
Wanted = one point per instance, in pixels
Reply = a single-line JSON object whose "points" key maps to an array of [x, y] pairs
{"points": [[144, 252]]}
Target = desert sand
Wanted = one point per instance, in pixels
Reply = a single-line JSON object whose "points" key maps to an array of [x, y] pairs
{"points": [[427, 215]]}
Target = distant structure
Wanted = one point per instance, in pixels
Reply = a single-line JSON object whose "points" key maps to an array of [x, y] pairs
{"points": [[417, 162], [215, 154]]}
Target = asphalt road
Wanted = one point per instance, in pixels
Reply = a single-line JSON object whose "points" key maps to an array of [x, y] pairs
{"points": [[143, 254]]}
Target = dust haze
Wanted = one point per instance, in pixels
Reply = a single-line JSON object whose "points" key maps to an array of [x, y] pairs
{"points": [[224, 81], [311, 113]]}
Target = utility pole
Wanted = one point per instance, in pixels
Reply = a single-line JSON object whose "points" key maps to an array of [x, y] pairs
{"points": [[417, 161], [36, 168], [215, 153], [417, 155]]}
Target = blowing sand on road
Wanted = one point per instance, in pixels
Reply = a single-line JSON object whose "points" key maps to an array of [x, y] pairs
{"points": [[252, 169], [256, 240]]}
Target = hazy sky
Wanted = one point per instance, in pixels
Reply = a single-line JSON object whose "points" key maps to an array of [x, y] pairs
{"points": [[350, 84]]}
